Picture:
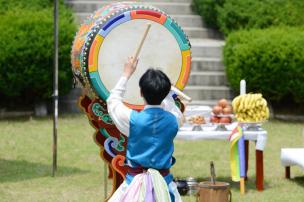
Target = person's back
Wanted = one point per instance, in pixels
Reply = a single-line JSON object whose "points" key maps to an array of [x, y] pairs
{"points": [[152, 132], [150, 137]]}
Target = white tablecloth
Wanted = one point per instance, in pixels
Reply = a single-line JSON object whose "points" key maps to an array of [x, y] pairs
{"points": [[292, 156], [260, 136]]}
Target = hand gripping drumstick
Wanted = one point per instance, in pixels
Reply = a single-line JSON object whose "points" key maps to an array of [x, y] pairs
{"points": [[173, 88], [181, 94]]}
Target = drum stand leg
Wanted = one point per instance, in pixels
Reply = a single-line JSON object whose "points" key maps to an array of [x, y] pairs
{"points": [[105, 181]]}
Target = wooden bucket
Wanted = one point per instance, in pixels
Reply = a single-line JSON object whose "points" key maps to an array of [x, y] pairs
{"points": [[218, 192]]}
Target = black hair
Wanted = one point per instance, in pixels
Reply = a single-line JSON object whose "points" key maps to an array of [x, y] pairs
{"points": [[154, 86]]}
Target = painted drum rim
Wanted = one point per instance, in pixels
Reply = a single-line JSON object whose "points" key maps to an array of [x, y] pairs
{"points": [[80, 41], [99, 32]]}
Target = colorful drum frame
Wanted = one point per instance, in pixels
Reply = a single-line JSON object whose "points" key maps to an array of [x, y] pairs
{"points": [[86, 47], [102, 26]]}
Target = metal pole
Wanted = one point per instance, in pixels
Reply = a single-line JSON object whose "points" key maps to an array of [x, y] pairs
{"points": [[55, 87]]}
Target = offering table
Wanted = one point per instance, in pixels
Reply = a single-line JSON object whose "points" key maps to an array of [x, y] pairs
{"points": [[259, 136]]}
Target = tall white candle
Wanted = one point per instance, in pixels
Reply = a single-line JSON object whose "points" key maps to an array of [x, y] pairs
{"points": [[242, 87]]}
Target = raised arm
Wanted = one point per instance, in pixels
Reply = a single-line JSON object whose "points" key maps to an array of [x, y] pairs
{"points": [[120, 113]]}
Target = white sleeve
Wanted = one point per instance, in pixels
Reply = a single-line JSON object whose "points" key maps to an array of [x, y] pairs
{"points": [[119, 113], [169, 105]]}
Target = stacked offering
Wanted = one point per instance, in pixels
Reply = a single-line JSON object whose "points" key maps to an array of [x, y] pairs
{"points": [[197, 120], [250, 108], [197, 115], [222, 112]]}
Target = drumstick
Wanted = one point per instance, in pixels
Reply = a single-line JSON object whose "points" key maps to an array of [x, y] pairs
{"points": [[181, 94], [173, 88], [141, 43]]}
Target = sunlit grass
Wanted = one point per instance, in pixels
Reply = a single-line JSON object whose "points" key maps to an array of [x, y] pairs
{"points": [[26, 158]]}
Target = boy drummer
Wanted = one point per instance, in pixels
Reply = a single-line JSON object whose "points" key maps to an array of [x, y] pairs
{"points": [[150, 135]]}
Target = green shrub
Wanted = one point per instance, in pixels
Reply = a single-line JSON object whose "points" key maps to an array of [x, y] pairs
{"points": [[240, 14], [6, 5], [270, 60], [26, 54], [208, 10]]}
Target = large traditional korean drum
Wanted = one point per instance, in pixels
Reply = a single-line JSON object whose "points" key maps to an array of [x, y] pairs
{"points": [[113, 33], [100, 49]]}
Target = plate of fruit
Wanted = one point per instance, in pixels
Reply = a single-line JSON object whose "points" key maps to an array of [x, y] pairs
{"points": [[196, 120], [250, 108], [222, 113]]}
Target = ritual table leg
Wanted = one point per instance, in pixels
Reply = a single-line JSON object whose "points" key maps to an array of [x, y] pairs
{"points": [[259, 170], [287, 172], [246, 156]]}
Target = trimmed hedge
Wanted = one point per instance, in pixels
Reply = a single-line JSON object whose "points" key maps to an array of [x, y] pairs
{"points": [[208, 9], [26, 54], [232, 15], [240, 14], [6, 5], [271, 61]]}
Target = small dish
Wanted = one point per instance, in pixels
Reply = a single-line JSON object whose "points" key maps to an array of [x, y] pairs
{"points": [[252, 125]]}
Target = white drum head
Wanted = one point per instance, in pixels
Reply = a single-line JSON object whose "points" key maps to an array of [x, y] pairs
{"points": [[160, 50]]}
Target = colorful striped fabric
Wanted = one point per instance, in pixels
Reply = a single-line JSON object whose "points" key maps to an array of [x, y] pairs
{"points": [[147, 187], [237, 154]]}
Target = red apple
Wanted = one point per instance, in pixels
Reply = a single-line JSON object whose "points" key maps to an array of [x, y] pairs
{"points": [[217, 110], [214, 119], [227, 110], [225, 120], [223, 103]]}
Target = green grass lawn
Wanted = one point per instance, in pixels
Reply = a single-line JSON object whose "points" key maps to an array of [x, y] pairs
{"points": [[26, 158]]}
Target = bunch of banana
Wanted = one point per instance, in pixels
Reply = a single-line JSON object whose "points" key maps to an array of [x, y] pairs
{"points": [[250, 108]]}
